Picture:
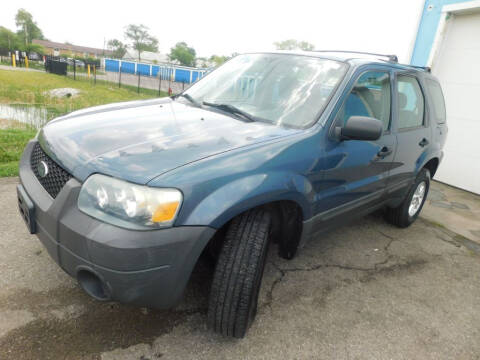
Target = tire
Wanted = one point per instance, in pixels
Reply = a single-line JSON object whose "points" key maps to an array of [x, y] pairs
{"points": [[238, 274], [400, 216]]}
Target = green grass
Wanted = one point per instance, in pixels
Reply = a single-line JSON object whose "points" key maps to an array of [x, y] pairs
{"points": [[29, 87], [12, 143]]}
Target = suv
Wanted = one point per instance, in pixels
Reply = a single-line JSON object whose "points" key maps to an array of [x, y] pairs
{"points": [[270, 147]]}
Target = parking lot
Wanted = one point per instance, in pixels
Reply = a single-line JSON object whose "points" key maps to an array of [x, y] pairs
{"points": [[365, 291]]}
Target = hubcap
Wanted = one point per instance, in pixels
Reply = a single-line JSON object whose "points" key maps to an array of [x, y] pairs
{"points": [[417, 198]]}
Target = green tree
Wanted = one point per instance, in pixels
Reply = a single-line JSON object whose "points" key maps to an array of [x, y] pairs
{"points": [[182, 53], [27, 28], [8, 39], [140, 38], [292, 44], [202, 62], [33, 48], [218, 60], [306, 46], [117, 48]]}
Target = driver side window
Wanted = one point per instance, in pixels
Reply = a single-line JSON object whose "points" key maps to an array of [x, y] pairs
{"points": [[370, 97]]}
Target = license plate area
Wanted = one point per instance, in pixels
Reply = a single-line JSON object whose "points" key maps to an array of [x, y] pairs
{"points": [[26, 208]]}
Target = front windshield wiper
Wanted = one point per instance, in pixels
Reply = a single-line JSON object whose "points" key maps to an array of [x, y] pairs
{"points": [[189, 98], [231, 109]]}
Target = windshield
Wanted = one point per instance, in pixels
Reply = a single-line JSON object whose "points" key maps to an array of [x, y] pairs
{"points": [[286, 90]]}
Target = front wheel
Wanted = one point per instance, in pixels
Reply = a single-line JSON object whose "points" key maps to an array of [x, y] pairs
{"points": [[407, 212], [238, 274]]}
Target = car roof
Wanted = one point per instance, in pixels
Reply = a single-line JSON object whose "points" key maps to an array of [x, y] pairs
{"points": [[353, 58]]}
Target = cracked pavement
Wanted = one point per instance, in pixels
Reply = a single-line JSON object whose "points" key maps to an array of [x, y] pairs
{"points": [[365, 291]]}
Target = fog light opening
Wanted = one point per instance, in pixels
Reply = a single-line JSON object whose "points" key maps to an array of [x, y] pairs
{"points": [[93, 285]]}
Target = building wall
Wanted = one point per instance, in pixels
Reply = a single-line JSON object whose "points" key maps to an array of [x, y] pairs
{"points": [[69, 53], [427, 29]]}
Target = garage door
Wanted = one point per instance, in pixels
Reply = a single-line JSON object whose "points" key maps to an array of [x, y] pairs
{"points": [[457, 65]]}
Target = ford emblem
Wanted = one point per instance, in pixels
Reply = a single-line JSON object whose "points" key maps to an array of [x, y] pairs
{"points": [[42, 169]]}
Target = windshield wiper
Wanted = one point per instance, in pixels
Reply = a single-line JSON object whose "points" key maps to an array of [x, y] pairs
{"points": [[189, 98], [231, 109]]}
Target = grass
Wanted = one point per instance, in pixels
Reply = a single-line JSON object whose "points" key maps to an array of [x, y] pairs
{"points": [[12, 142], [31, 88]]}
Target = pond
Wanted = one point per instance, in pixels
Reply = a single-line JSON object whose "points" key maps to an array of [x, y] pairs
{"points": [[30, 115]]}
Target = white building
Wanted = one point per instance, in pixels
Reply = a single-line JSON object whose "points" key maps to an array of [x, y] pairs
{"points": [[147, 57]]}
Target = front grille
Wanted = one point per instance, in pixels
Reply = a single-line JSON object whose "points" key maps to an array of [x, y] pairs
{"points": [[55, 178]]}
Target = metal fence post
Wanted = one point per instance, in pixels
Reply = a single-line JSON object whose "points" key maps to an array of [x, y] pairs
{"points": [[160, 84], [138, 86], [120, 75], [74, 69]]}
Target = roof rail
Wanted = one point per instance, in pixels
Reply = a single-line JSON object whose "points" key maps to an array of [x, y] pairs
{"points": [[392, 58], [426, 68]]}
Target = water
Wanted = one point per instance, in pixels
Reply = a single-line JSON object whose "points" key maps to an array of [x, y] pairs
{"points": [[34, 116]]}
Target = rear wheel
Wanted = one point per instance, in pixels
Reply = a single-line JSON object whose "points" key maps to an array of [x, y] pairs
{"points": [[407, 212], [238, 274]]}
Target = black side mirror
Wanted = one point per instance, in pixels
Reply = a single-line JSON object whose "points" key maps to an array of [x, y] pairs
{"points": [[360, 128]]}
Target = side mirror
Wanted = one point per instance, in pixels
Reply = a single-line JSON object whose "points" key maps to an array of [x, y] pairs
{"points": [[360, 128]]}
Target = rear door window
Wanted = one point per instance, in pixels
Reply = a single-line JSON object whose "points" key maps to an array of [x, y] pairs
{"points": [[436, 95], [410, 103]]}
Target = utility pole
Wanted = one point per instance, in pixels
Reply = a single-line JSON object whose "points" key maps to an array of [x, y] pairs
{"points": [[26, 33]]}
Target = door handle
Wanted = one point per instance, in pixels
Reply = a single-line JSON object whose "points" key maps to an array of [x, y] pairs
{"points": [[384, 152], [423, 143]]}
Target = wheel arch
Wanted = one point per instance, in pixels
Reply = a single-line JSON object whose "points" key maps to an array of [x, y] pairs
{"points": [[285, 195], [432, 165], [236, 197]]}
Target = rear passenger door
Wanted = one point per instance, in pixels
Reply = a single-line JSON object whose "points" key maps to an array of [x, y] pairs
{"points": [[410, 125]]}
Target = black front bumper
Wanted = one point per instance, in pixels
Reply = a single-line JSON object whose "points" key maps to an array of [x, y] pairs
{"points": [[146, 268]]}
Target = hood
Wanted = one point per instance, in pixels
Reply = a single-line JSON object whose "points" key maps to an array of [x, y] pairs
{"points": [[138, 141]]}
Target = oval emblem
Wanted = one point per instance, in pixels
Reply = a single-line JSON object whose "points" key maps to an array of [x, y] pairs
{"points": [[42, 169]]}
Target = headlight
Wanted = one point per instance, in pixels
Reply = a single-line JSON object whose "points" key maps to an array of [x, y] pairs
{"points": [[128, 205]]}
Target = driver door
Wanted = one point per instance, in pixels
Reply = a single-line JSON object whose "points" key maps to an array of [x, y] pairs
{"points": [[356, 171]]}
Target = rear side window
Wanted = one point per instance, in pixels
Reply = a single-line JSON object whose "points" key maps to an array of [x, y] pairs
{"points": [[438, 101], [411, 104]]}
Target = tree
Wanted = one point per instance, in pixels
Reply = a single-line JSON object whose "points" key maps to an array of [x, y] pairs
{"points": [[28, 29], [306, 46], [117, 48], [218, 60], [140, 38], [33, 48], [184, 54], [202, 62], [292, 44], [8, 39]]}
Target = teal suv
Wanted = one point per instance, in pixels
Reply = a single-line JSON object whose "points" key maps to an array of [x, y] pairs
{"points": [[268, 148]]}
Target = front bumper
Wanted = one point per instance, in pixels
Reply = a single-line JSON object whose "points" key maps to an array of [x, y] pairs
{"points": [[146, 268]]}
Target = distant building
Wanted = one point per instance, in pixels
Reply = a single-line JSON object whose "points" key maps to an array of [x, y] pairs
{"points": [[57, 49], [146, 57]]}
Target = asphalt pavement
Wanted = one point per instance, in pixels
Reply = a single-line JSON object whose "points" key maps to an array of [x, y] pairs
{"points": [[365, 291]]}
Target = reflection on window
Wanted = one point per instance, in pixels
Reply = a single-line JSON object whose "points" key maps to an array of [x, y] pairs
{"points": [[289, 90], [369, 97], [438, 101], [410, 102]]}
